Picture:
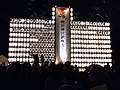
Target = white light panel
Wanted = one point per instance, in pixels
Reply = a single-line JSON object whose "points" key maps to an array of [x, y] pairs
{"points": [[90, 43], [30, 36]]}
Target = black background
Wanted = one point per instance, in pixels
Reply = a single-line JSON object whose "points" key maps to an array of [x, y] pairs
{"points": [[83, 10]]}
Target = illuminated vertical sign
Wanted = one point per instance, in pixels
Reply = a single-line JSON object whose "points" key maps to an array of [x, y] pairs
{"points": [[62, 34]]}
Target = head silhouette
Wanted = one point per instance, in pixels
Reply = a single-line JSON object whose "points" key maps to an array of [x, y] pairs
{"points": [[96, 73]]}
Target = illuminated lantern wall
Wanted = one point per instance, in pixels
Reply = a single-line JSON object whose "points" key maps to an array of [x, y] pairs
{"points": [[31, 36], [87, 42], [90, 43]]}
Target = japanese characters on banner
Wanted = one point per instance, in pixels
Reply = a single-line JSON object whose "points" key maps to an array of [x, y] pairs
{"points": [[62, 34]]}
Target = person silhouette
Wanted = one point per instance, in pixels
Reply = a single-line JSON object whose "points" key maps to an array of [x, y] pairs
{"points": [[36, 62], [97, 77]]}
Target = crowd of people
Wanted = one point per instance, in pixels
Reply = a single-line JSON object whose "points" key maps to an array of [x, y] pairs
{"points": [[49, 76]]}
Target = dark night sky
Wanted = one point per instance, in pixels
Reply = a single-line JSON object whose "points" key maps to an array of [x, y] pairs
{"points": [[83, 10]]}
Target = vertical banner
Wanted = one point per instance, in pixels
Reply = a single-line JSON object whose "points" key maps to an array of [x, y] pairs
{"points": [[62, 34]]}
